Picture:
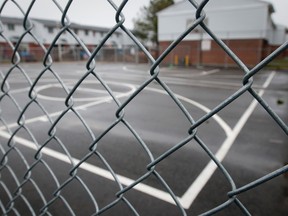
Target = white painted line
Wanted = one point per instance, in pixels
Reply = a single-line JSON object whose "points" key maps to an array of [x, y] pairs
{"points": [[210, 71], [124, 68], [81, 107], [227, 129], [19, 90], [93, 169], [191, 74], [190, 195], [43, 119], [154, 192], [62, 99], [276, 141]]}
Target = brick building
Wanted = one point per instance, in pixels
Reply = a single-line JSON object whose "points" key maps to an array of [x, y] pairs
{"points": [[245, 26]]}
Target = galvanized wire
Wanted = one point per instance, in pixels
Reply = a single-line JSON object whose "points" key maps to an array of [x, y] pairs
{"points": [[10, 149]]}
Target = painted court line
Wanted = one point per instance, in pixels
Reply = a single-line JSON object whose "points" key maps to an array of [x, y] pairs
{"points": [[190, 195], [80, 107], [92, 169], [154, 192], [196, 187], [219, 120], [159, 194], [211, 71]]}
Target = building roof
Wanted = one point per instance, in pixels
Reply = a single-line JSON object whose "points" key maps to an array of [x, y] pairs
{"points": [[186, 6], [11, 20], [52, 23]]}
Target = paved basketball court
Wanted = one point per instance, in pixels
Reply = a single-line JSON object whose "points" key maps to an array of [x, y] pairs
{"points": [[242, 136]]}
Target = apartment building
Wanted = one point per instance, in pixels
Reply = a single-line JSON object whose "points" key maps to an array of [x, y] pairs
{"points": [[46, 31]]}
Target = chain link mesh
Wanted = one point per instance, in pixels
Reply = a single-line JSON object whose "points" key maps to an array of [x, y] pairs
{"points": [[29, 195]]}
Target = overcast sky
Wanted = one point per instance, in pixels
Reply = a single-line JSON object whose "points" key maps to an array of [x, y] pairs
{"points": [[100, 13]]}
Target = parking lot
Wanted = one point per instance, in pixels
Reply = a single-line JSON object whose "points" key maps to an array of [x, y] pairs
{"points": [[64, 148]]}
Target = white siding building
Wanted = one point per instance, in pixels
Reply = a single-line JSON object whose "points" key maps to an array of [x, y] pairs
{"points": [[245, 25], [46, 31]]}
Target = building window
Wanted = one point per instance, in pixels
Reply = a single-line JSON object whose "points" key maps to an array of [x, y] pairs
{"points": [[86, 32], [206, 45], [76, 31], [11, 27], [50, 29]]}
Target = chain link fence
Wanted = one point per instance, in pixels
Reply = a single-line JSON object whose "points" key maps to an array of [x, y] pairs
{"points": [[182, 55], [106, 54], [28, 194]]}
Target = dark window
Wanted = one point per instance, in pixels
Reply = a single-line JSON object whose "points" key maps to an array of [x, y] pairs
{"points": [[86, 32], [11, 27], [50, 29]]}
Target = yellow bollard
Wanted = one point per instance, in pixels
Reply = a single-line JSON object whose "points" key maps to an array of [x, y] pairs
{"points": [[186, 60], [176, 60]]}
